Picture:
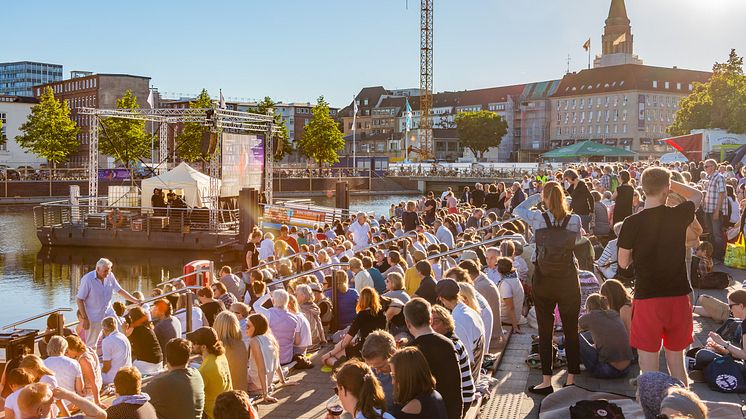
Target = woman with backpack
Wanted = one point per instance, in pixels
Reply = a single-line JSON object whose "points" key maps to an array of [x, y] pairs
{"points": [[555, 281]]}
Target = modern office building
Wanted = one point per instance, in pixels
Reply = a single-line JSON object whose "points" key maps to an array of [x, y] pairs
{"points": [[19, 78]]}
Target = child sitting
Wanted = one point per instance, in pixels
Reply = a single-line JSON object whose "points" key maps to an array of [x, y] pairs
{"points": [[704, 253]]}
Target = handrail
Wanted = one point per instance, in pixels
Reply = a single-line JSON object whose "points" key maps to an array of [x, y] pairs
{"points": [[198, 271], [482, 243], [261, 265], [497, 223], [166, 294], [310, 271], [38, 316], [407, 234]]}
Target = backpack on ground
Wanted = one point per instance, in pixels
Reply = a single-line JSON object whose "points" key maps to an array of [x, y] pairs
{"points": [[724, 375], [712, 281], [554, 248], [588, 409]]}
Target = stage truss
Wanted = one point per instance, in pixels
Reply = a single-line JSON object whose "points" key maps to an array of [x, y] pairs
{"points": [[216, 119]]}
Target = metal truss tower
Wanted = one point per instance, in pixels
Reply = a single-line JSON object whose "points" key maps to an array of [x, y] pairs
{"points": [[427, 145]]}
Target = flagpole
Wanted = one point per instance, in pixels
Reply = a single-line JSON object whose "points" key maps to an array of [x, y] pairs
{"points": [[354, 151], [589, 56]]}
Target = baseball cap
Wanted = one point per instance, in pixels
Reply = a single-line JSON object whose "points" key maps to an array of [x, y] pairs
{"points": [[203, 336], [447, 288]]}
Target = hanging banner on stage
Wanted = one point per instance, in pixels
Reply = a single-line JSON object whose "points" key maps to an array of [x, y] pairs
{"points": [[242, 163]]}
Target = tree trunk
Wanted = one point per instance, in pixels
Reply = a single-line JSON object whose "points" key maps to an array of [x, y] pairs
{"points": [[51, 173]]}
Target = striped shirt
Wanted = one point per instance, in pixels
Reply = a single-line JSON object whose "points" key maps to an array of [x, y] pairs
{"points": [[467, 382]]}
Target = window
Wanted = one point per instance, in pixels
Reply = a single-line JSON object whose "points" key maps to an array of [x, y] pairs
{"points": [[667, 85], [678, 86], [655, 84], [574, 103], [3, 133], [624, 128], [365, 102], [582, 103]]}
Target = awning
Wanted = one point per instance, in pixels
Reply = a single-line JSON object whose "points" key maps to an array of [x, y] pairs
{"points": [[588, 149]]}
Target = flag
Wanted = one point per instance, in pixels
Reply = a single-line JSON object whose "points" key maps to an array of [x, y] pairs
{"points": [[587, 45], [151, 99], [222, 100], [354, 112], [408, 115], [688, 145], [622, 38]]}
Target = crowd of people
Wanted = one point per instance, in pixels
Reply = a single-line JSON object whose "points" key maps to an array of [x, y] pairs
{"points": [[414, 303]]}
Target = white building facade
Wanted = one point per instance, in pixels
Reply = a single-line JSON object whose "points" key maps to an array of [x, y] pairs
{"points": [[14, 111]]}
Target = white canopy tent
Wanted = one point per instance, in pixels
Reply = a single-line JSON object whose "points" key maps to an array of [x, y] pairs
{"points": [[196, 185]]}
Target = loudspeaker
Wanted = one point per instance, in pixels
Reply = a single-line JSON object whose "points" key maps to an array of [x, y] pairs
{"points": [[209, 142]]}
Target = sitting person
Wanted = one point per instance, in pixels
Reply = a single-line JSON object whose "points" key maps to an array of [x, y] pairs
{"points": [[54, 321], [146, 352], [346, 299], [511, 293], [36, 400], [682, 403], [619, 300], [604, 346], [704, 253], [89, 366], [395, 287], [414, 386], [234, 404], [652, 388], [285, 325], [369, 317], [17, 379], [131, 402], [360, 392], [607, 263], [264, 358], [716, 345], [377, 350]]}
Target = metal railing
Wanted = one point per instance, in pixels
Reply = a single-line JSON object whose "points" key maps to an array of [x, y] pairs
{"points": [[198, 271], [36, 317], [310, 271], [187, 309]]}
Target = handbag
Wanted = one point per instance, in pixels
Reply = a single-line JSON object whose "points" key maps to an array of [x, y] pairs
{"points": [[724, 375], [735, 254]]}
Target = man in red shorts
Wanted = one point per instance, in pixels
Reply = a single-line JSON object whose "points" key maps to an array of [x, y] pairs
{"points": [[654, 238]]}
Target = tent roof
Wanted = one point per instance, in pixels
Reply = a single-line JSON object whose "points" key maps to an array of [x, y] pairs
{"points": [[588, 149]]}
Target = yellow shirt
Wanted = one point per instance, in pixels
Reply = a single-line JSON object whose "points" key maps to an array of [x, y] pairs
{"points": [[217, 377], [411, 280]]}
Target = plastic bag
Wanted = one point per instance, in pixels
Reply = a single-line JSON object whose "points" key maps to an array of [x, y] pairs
{"points": [[735, 254]]}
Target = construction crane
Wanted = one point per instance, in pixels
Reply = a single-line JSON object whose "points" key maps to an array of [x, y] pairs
{"points": [[427, 146]]}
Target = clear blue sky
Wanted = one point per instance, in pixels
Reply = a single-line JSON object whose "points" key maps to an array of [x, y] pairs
{"points": [[296, 50]]}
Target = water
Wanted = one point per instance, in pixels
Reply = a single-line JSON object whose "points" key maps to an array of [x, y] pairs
{"points": [[34, 280]]}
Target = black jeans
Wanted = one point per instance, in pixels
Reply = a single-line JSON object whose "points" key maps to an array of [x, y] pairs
{"points": [[565, 293]]}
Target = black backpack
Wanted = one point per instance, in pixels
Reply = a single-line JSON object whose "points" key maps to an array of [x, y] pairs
{"points": [[554, 248], [587, 409]]}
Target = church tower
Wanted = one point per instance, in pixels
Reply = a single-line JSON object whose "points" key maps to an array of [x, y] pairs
{"points": [[617, 39]]}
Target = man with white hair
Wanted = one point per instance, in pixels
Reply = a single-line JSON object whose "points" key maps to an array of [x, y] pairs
{"points": [[283, 324], [359, 232], [66, 370], [94, 298]]}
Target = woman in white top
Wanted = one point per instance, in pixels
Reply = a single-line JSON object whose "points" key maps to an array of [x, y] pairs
{"points": [[267, 247], [89, 365], [264, 358], [34, 364]]}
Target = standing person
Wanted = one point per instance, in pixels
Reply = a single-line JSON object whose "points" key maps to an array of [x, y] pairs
{"points": [[178, 393], [414, 387], [623, 198], [430, 207], [116, 349], [214, 370], [439, 351], [582, 200], [94, 298], [661, 306], [229, 333], [715, 207], [251, 249], [360, 392], [359, 232], [409, 218], [477, 197], [555, 280], [131, 402], [166, 327]]}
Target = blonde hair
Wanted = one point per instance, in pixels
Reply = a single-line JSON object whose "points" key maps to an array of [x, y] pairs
{"points": [[469, 296], [554, 197], [35, 364], [655, 180], [228, 328], [369, 299], [441, 313]]}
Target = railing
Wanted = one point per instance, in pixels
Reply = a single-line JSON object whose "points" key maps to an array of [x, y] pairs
{"points": [[178, 278], [102, 214], [496, 223], [36, 317], [187, 309]]}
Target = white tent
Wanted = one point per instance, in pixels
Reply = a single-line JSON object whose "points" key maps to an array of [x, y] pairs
{"points": [[196, 185]]}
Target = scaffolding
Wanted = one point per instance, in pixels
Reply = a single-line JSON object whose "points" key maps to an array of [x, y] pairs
{"points": [[216, 119]]}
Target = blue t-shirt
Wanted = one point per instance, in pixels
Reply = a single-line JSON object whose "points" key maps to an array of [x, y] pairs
{"points": [[379, 283], [346, 306]]}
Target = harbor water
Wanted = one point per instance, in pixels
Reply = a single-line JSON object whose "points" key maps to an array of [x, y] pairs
{"points": [[35, 279]]}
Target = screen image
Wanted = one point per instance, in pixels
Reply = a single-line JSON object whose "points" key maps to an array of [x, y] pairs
{"points": [[243, 163]]}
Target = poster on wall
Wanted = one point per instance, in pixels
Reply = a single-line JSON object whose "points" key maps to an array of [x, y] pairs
{"points": [[641, 113], [243, 163]]}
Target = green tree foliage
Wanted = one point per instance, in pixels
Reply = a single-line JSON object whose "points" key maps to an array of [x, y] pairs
{"points": [[281, 140], [719, 103], [189, 141], [322, 140], [480, 130], [2, 136], [125, 139], [49, 132]]}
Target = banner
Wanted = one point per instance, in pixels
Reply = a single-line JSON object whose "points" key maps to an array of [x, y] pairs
{"points": [[243, 163], [641, 113], [275, 216], [688, 145]]}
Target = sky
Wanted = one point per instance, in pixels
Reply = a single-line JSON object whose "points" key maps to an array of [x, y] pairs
{"points": [[297, 50]]}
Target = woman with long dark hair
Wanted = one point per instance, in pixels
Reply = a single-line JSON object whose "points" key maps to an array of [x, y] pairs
{"points": [[555, 280], [414, 386], [360, 392]]}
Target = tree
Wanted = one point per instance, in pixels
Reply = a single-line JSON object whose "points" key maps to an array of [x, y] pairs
{"points": [[480, 130], [49, 132], [281, 140], [322, 140], [125, 139], [189, 142], [2, 136], [718, 103]]}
